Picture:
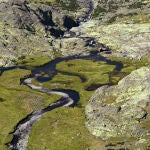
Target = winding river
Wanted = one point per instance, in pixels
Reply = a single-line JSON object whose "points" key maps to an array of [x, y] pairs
{"points": [[69, 98]]}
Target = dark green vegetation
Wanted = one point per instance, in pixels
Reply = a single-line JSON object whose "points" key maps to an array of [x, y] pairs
{"points": [[17, 101], [68, 5], [98, 11], [32, 61], [63, 127]]}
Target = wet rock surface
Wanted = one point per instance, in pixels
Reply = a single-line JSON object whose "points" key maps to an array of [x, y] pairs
{"points": [[122, 110]]}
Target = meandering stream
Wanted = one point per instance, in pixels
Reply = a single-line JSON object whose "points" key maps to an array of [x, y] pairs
{"points": [[69, 97]]}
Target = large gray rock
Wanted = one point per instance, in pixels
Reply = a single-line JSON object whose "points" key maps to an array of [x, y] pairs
{"points": [[122, 110]]}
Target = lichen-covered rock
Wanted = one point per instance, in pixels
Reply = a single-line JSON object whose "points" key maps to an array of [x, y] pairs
{"points": [[28, 28], [21, 32], [126, 40], [122, 25], [122, 110], [108, 11], [72, 46]]}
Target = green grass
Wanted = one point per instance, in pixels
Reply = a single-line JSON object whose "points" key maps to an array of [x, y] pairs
{"points": [[93, 72], [129, 65], [65, 127], [33, 61], [62, 128], [98, 10], [17, 102]]}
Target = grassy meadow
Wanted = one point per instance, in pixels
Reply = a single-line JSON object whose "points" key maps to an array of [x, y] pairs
{"points": [[62, 127]]}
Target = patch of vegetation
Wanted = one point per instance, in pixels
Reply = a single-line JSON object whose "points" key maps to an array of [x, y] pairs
{"points": [[18, 102], [21, 57], [112, 19], [2, 99], [129, 65], [67, 124], [136, 5], [68, 5], [48, 2], [64, 123], [62, 128], [141, 16], [32, 61], [98, 11], [93, 72]]}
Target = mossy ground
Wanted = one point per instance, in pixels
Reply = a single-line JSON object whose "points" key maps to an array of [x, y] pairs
{"points": [[17, 101], [63, 129], [32, 61]]}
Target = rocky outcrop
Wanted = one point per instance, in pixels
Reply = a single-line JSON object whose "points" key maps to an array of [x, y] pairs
{"points": [[25, 25], [121, 25], [22, 32], [29, 28], [108, 11], [122, 110], [126, 40]]}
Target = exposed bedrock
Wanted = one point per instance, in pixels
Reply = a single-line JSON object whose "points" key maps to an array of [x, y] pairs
{"points": [[122, 110], [79, 46], [125, 40], [25, 25]]}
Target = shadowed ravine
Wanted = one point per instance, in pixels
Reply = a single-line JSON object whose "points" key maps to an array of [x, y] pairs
{"points": [[69, 97]]}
